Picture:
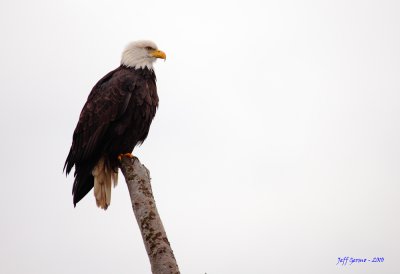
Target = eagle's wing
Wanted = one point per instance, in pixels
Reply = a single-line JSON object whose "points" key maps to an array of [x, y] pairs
{"points": [[107, 101]]}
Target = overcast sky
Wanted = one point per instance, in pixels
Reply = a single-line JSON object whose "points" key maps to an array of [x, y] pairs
{"points": [[275, 148]]}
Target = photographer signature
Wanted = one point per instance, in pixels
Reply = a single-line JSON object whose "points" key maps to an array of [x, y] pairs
{"points": [[350, 260]]}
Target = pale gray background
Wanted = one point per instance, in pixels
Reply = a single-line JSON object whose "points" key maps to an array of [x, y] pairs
{"points": [[275, 148]]}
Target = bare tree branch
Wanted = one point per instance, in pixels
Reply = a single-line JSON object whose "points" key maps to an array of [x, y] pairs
{"points": [[155, 239]]}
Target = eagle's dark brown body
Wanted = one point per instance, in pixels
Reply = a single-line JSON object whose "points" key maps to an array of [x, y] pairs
{"points": [[115, 118]]}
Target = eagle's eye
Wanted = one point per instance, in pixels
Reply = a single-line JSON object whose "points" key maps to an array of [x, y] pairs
{"points": [[149, 48]]}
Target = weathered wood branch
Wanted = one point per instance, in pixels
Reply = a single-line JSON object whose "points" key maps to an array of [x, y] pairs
{"points": [[155, 239]]}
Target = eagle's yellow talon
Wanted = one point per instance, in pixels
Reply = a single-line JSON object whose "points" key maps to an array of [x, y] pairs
{"points": [[128, 155]]}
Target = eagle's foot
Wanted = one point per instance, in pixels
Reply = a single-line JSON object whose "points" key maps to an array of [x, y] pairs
{"points": [[128, 155]]}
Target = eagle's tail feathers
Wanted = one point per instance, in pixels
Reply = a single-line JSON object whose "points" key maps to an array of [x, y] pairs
{"points": [[104, 177]]}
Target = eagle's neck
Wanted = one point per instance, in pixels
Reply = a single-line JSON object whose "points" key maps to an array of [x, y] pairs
{"points": [[136, 59], [139, 65]]}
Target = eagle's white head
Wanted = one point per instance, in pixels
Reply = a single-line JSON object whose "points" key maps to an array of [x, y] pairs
{"points": [[141, 54]]}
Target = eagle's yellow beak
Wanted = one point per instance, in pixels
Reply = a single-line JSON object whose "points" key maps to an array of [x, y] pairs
{"points": [[158, 54]]}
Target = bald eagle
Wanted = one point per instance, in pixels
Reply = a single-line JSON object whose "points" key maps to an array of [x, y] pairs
{"points": [[116, 117]]}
